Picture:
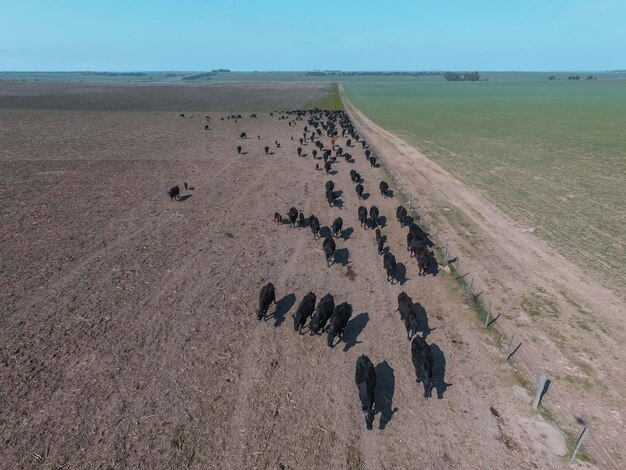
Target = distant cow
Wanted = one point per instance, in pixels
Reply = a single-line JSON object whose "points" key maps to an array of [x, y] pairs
{"points": [[401, 215], [327, 167], [174, 193], [299, 150], [422, 358], [374, 215], [367, 154], [389, 263], [304, 311], [293, 215], [408, 314], [349, 142], [266, 298], [322, 314], [423, 256], [378, 234], [278, 218], [363, 216], [381, 246], [239, 149], [314, 153], [338, 322], [242, 135], [330, 197], [267, 150], [353, 174], [372, 161], [384, 188], [337, 225], [329, 249], [314, 223], [365, 379], [329, 185], [359, 190]]}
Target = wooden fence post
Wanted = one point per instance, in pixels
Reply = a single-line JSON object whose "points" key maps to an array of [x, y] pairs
{"points": [[582, 437]]}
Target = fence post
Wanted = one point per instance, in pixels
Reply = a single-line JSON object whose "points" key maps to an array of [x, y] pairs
{"points": [[539, 391], [486, 318], [579, 443], [445, 253]]}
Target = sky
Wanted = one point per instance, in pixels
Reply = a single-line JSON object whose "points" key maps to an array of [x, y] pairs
{"points": [[247, 35]]}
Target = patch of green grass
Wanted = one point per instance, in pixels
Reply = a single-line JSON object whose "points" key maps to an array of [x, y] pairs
{"points": [[332, 101], [538, 304], [583, 324], [570, 442]]}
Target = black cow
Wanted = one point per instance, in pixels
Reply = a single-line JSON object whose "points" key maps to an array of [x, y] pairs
{"points": [[349, 143], [374, 215], [267, 149], [327, 166], [267, 297], [365, 379], [389, 263], [423, 260], [305, 309], [239, 149], [314, 223], [293, 215], [353, 174], [337, 225], [329, 185], [328, 245], [408, 314], [278, 218], [338, 322], [299, 150], [174, 193], [367, 154], [359, 190], [322, 313], [422, 358], [330, 197], [364, 143], [372, 161], [363, 216], [381, 246], [242, 135], [401, 215], [379, 235], [384, 188], [314, 153]]}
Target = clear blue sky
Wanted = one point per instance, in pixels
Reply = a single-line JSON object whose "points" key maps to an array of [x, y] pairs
{"points": [[324, 34]]}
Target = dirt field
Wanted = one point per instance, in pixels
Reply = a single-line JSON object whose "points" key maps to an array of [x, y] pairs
{"points": [[575, 331], [129, 338]]}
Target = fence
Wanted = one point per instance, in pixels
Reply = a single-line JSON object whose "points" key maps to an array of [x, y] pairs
{"points": [[470, 283]]}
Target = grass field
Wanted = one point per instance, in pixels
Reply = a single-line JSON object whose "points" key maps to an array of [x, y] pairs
{"points": [[552, 154]]}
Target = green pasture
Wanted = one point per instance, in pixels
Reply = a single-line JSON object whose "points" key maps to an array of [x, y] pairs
{"points": [[552, 154]]}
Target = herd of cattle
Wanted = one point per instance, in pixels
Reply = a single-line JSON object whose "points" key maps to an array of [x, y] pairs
{"points": [[324, 315]]}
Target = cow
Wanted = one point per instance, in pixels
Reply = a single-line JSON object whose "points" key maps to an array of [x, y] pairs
{"points": [[293, 215], [304, 311], [364, 143], [329, 185], [353, 174], [378, 234], [408, 314], [374, 215], [328, 245], [372, 161], [267, 297], [337, 225], [359, 190], [267, 150], [239, 149], [367, 154], [423, 260], [314, 223], [174, 193], [381, 246], [389, 263], [363, 216], [327, 166], [330, 197], [322, 313], [349, 143], [242, 135], [401, 215], [278, 218], [365, 379], [299, 150], [206, 127], [338, 321], [422, 357], [384, 188]]}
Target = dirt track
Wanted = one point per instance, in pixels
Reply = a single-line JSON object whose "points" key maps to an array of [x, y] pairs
{"points": [[129, 338], [508, 264]]}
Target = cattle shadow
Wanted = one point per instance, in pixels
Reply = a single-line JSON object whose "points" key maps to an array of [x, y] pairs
{"points": [[282, 307], [353, 330], [326, 232], [342, 256], [385, 388], [332, 172], [346, 232], [365, 196], [185, 197], [338, 194], [439, 370], [409, 221], [389, 193], [422, 320], [433, 266], [338, 203], [400, 273]]}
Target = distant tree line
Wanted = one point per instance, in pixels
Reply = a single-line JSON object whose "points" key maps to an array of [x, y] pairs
{"points": [[461, 77], [199, 76], [320, 73], [573, 77], [116, 74], [221, 70]]}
